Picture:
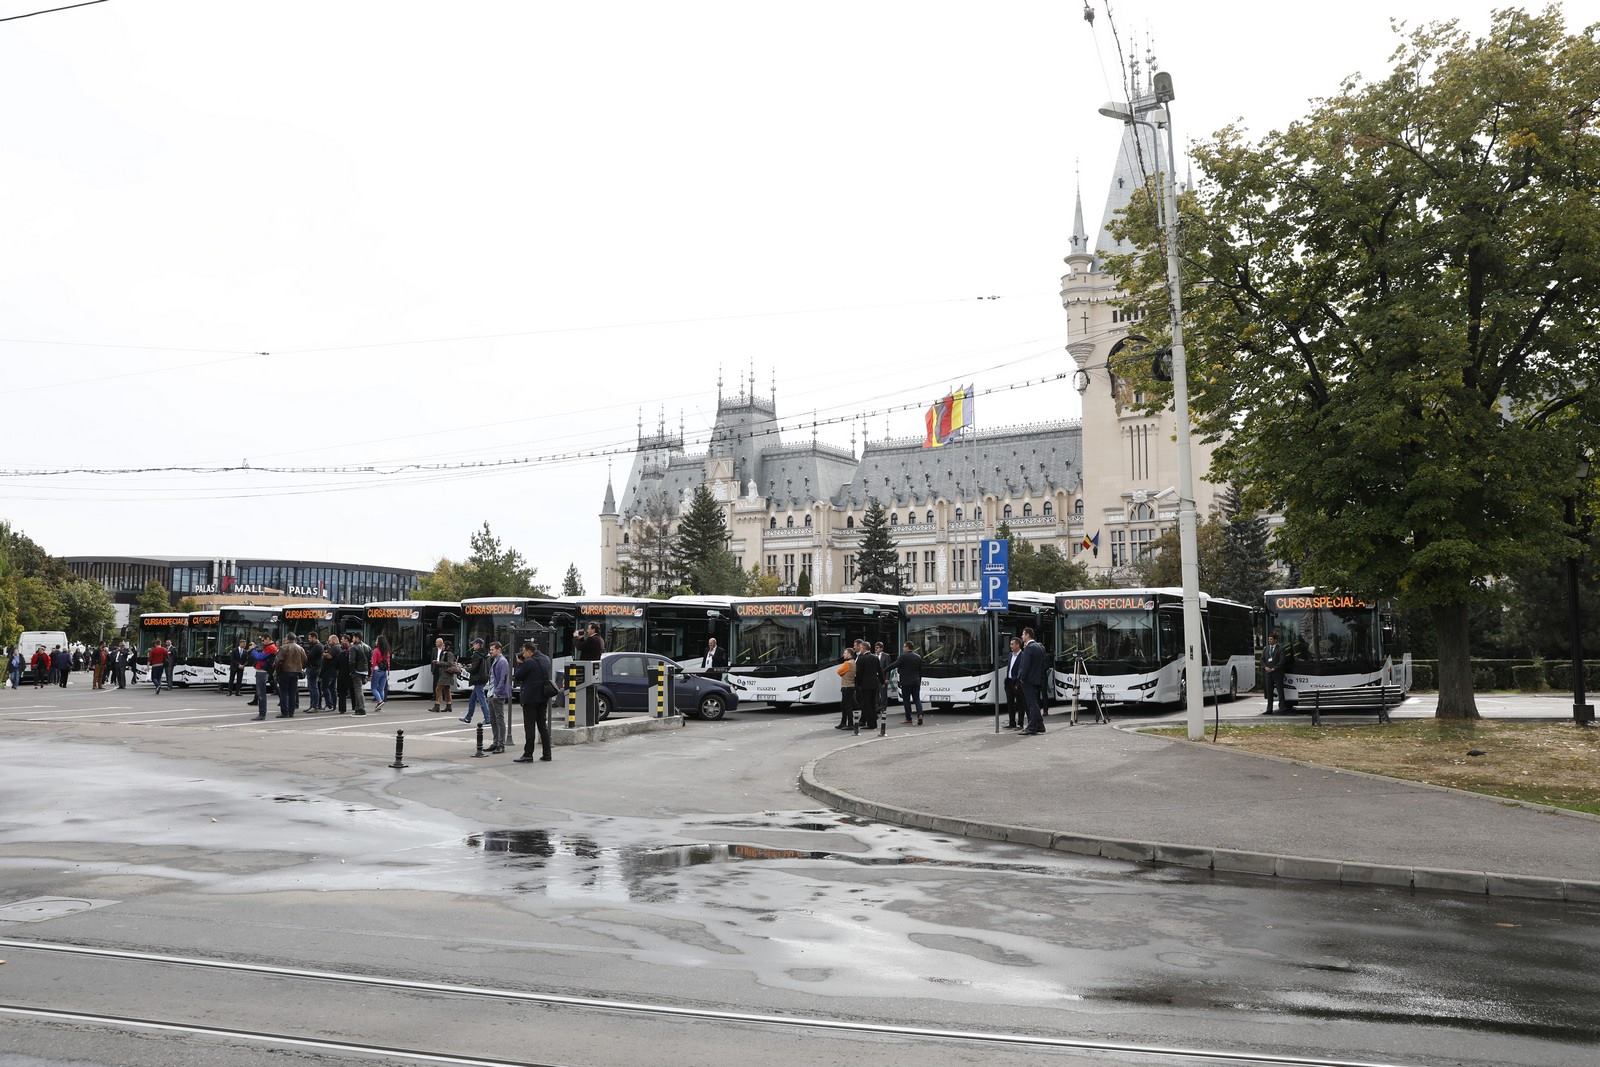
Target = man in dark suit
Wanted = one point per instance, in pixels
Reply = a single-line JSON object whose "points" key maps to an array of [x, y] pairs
{"points": [[593, 646], [1272, 671], [1033, 673], [869, 684], [715, 661], [909, 664], [535, 689], [1016, 707]]}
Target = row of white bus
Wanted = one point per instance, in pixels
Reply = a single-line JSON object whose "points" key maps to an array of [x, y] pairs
{"points": [[1124, 645]]}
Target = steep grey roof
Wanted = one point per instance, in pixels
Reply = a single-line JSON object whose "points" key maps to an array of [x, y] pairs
{"points": [[1038, 457], [1137, 157], [794, 475], [609, 506], [669, 479]]}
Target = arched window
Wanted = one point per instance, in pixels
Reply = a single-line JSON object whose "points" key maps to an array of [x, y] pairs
{"points": [[930, 518], [977, 514], [808, 522], [1027, 510], [958, 514], [1142, 513], [894, 518], [772, 523], [1077, 508], [849, 522], [789, 522], [1005, 512], [624, 538], [1049, 509]]}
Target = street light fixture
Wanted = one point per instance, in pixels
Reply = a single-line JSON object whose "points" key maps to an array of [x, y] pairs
{"points": [[1582, 711], [1155, 107]]}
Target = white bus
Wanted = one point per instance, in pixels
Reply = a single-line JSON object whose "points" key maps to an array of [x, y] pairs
{"points": [[965, 651], [787, 650], [1128, 644], [1339, 647], [411, 627]]}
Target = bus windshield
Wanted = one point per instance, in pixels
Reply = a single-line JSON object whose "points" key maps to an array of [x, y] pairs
{"points": [[1328, 637], [775, 642], [952, 644], [1110, 642]]}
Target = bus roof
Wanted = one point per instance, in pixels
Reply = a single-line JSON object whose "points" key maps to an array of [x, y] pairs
{"points": [[854, 600], [413, 604]]}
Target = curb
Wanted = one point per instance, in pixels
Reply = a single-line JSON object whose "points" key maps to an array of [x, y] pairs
{"points": [[1223, 860], [612, 729]]}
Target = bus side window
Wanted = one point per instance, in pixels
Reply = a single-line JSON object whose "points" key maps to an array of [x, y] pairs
{"points": [[1169, 625]]}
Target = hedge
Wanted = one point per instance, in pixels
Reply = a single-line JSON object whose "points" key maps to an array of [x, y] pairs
{"points": [[1529, 678]]}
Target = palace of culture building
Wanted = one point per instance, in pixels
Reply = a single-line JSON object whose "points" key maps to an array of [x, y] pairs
{"points": [[794, 507]]}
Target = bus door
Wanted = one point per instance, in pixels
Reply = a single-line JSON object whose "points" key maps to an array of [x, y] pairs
{"points": [[446, 624]]}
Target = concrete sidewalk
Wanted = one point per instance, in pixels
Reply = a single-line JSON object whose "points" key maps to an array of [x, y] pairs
{"points": [[1102, 791]]}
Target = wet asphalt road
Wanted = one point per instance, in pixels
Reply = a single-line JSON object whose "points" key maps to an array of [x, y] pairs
{"points": [[683, 869]]}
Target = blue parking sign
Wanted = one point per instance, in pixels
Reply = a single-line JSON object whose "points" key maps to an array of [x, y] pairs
{"points": [[994, 574]]}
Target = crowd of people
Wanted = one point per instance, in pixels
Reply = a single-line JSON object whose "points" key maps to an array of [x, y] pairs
{"points": [[864, 684], [108, 664]]}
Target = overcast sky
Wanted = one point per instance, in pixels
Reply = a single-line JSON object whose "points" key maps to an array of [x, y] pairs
{"points": [[500, 228]]}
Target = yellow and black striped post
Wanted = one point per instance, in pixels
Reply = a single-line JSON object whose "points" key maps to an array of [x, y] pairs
{"points": [[573, 671], [659, 671]]}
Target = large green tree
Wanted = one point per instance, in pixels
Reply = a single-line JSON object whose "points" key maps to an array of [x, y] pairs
{"points": [[39, 606], [702, 535], [492, 569], [1390, 309], [1160, 566], [442, 583], [719, 574], [90, 612], [153, 598], [877, 561]]}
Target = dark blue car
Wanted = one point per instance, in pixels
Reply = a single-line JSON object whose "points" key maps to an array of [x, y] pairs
{"points": [[625, 688]]}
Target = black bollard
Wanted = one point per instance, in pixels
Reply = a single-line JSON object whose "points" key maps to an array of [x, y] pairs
{"points": [[399, 750], [480, 753], [883, 723]]}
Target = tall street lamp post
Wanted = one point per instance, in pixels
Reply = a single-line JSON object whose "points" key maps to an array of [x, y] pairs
{"points": [[1158, 105], [1582, 711]]}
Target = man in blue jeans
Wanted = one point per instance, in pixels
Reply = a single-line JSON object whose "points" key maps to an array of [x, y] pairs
{"points": [[476, 664]]}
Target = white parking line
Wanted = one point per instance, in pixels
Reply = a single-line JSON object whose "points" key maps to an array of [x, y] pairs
{"points": [[94, 712], [358, 725]]}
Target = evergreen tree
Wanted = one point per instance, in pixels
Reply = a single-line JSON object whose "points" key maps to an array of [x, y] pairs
{"points": [[702, 533], [572, 584], [1244, 569], [491, 569], [719, 574], [877, 561], [803, 586]]}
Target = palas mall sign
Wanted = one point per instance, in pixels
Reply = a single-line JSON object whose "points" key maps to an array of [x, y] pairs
{"points": [[260, 590]]}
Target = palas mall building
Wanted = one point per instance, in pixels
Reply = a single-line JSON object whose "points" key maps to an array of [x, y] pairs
{"points": [[792, 508]]}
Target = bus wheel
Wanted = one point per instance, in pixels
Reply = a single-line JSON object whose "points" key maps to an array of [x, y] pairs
{"points": [[1233, 686], [602, 707], [712, 708]]}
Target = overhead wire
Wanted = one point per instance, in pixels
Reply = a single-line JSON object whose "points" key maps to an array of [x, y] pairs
{"points": [[50, 10]]}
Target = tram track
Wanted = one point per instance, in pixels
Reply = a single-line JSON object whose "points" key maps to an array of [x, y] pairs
{"points": [[811, 1024]]}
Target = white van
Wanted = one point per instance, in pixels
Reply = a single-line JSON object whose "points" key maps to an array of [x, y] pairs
{"points": [[29, 643]]}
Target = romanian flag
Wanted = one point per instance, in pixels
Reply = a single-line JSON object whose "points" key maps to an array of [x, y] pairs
{"points": [[934, 415], [949, 417]]}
